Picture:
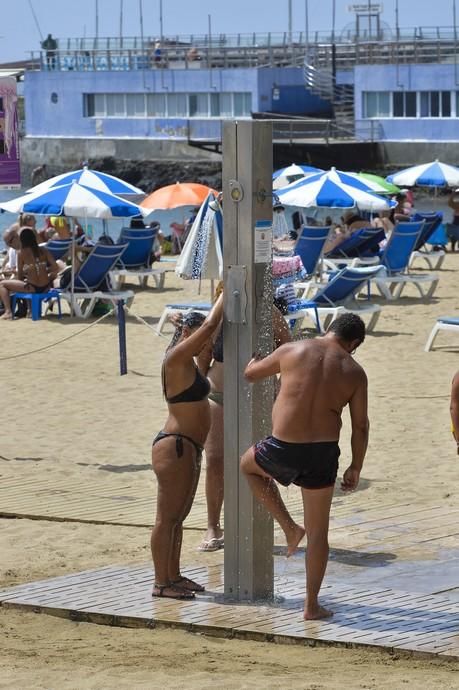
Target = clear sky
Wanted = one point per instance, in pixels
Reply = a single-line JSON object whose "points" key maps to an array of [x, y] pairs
{"points": [[73, 18]]}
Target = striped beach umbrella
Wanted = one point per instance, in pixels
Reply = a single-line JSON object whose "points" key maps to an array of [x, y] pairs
{"points": [[291, 173], [74, 199], [435, 174], [90, 178], [332, 189]]}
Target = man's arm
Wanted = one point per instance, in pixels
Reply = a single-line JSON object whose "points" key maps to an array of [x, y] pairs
{"points": [[258, 369], [358, 406], [454, 408]]}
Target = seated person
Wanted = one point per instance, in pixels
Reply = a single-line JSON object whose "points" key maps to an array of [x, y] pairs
{"points": [[400, 212], [10, 262], [350, 222], [35, 273], [61, 228]]}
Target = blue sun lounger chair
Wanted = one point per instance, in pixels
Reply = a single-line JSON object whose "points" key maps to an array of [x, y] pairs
{"points": [[443, 323], [136, 260], [433, 258], [336, 297], [395, 260], [91, 279]]}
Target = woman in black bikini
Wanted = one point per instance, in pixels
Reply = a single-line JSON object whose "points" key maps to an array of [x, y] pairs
{"points": [[177, 449], [36, 270]]}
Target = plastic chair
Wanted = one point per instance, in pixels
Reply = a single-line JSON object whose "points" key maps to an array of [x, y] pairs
{"points": [[336, 297], [395, 260], [443, 323], [36, 299]]}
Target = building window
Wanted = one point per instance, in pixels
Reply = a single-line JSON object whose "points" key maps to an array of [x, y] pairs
{"points": [[135, 105], [435, 104], [376, 104], [156, 105], [116, 104], [179, 105], [408, 104], [404, 104]]}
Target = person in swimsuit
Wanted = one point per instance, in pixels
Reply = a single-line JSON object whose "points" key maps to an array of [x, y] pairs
{"points": [[210, 363], [36, 270], [177, 449], [318, 379], [454, 408]]}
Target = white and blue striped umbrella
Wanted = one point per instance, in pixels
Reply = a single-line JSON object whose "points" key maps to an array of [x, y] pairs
{"points": [[332, 189], [435, 174], [90, 178], [74, 199], [291, 173]]}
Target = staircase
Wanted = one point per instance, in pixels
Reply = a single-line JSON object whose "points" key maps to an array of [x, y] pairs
{"points": [[321, 82]]}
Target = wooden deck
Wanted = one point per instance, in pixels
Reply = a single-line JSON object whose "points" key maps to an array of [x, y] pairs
{"points": [[392, 580], [387, 618]]}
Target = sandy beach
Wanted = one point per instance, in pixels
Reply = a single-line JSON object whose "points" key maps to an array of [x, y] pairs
{"points": [[69, 418]]}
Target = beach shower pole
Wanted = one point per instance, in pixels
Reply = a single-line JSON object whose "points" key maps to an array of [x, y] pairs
{"points": [[247, 213]]}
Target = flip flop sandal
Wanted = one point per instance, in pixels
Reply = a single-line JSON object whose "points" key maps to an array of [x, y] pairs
{"points": [[188, 585], [177, 592], [214, 544]]}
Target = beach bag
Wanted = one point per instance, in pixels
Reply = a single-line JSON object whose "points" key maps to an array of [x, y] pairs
{"points": [[21, 309]]}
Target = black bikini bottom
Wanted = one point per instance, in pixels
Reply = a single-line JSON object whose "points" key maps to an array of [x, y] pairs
{"points": [[179, 443], [37, 288]]}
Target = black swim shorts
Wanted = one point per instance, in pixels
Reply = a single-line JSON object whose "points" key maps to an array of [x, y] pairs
{"points": [[309, 465]]}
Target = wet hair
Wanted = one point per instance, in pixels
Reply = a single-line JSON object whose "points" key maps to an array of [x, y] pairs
{"points": [[28, 240], [348, 327], [191, 320]]}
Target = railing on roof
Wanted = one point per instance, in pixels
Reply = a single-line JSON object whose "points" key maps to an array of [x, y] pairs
{"points": [[257, 40], [270, 50]]}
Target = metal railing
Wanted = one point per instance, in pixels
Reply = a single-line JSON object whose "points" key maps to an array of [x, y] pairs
{"points": [[258, 40], [421, 45]]}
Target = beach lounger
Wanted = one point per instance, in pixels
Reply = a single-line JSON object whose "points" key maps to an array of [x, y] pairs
{"points": [[309, 248], [136, 259], [361, 248], [90, 277], [395, 259], [169, 309], [443, 323], [433, 258], [336, 297]]}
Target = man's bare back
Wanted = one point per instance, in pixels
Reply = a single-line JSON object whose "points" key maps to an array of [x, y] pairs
{"points": [[318, 379]]}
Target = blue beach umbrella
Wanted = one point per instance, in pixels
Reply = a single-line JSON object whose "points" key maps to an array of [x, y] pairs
{"points": [[90, 178], [435, 174], [74, 199], [293, 172], [332, 189]]}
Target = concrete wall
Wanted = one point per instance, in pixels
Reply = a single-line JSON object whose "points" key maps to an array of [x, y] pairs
{"points": [[425, 77]]}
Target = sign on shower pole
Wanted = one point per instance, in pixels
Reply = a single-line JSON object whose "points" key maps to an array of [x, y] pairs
{"points": [[247, 257]]}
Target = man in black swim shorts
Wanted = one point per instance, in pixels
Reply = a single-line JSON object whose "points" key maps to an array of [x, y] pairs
{"points": [[318, 379]]}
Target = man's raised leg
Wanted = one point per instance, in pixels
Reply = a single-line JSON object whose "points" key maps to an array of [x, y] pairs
{"points": [[265, 490], [316, 504]]}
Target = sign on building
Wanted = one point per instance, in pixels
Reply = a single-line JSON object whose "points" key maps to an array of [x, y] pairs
{"points": [[10, 175]]}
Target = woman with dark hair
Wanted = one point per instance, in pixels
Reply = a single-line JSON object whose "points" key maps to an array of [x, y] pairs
{"points": [[177, 449], [36, 270]]}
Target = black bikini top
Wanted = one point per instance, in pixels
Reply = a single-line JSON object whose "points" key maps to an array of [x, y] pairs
{"points": [[199, 389], [217, 350]]}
